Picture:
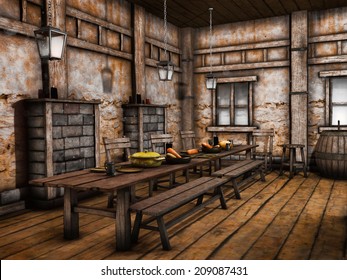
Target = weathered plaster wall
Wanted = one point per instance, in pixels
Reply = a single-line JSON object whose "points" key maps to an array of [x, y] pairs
{"points": [[85, 82], [323, 23], [270, 92], [165, 93], [20, 78]]}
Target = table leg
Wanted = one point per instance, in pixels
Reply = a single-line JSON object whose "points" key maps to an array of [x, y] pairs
{"points": [[71, 218], [123, 221]]}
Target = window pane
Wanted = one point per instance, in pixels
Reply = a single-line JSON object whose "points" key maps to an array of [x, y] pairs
{"points": [[223, 95], [339, 90], [241, 93], [339, 114], [241, 116], [223, 117]]}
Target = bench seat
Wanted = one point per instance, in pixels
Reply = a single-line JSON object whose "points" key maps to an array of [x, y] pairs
{"points": [[242, 168], [157, 206]]}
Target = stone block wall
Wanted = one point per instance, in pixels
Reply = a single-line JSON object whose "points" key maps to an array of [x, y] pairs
{"points": [[140, 121], [61, 138]]}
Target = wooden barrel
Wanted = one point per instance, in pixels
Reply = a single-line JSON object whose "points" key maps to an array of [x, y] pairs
{"points": [[331, 154]]}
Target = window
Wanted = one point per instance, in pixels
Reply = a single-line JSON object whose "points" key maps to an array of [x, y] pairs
{"points": [[338, 101], [233, 105]]}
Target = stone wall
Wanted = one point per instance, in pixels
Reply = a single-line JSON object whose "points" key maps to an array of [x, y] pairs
{"points": [[257, 48]]}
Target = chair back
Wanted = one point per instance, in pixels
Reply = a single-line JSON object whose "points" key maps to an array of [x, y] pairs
{"points": [[263, 138], [159, 142], [112, 145], [188, 139]]}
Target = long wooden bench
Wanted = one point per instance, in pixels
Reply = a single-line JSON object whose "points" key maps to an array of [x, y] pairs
{"points": [[158, 206], [243, 168]]}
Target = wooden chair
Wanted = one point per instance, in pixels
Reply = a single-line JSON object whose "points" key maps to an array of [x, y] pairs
{"points": [[158, 142], [120, 144], [188, 139], [263, 138], [117, 151], [188, 142]]}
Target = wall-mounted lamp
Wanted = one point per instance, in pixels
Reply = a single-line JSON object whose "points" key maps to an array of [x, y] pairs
{"points": [[165, 67], [50, 42], [211, 80]]}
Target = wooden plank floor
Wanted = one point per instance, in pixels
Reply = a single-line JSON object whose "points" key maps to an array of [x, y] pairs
{"points": [[301, 218]]}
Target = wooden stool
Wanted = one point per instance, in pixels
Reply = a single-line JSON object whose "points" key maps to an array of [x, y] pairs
{"points": [[293, 163]]}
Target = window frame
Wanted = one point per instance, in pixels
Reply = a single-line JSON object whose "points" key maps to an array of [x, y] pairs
{"points": [[232, 80], [329, 75]]}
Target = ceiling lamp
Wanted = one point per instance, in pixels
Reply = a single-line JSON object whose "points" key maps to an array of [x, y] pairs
{"points": [[211, 80], [50, 42], [165, 67]]}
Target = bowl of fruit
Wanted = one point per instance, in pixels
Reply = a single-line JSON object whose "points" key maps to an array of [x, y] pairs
{"points": [[207, 148], [173, 157]]}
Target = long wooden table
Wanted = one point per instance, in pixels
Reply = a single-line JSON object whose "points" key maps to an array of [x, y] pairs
{"points": [[121, 183]]}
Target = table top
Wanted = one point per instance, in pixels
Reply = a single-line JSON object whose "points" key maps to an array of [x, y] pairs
{"points": [[87, 180]]}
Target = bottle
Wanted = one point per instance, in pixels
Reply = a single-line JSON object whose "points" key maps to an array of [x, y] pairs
{"points": [[215, 140]]}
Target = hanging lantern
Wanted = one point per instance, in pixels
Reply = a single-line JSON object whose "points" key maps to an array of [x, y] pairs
{"points": [[165, 67], [165, 70], [50, 42], [211, 80]]}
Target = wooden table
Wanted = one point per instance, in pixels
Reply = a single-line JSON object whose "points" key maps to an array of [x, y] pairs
{"points": [[230, 129], [121, 183]]}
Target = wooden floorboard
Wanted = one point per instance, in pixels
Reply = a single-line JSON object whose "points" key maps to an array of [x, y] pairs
{"points": [[301, 218]]}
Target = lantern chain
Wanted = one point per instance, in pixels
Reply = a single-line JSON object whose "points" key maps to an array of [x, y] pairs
{"points": [[211, 9], [165, 28]]}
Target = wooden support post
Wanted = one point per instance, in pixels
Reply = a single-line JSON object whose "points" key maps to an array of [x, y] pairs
{"points": [[55, 12], [186, 85], [139, 63], [299, 76]]}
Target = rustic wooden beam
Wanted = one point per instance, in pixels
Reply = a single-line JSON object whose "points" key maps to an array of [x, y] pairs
{"points": [[251, 46], [74, 42], [299, 78], [139, 63], [55, 14], [186, 86], [85, 17], [237, 79], [336, 73], [153, 63], [243, 66], [11, 25], [328, 38], [162, 45], [328, 60]]}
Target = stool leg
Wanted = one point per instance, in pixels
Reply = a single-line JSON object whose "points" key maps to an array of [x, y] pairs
{"points": [[282, 160], [291, 162], [304, 162]]}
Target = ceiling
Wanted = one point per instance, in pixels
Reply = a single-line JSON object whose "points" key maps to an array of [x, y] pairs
{"points": [[195, 13]]}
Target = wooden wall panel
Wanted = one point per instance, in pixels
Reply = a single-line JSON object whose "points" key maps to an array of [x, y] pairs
{"points": [[299, 71]]}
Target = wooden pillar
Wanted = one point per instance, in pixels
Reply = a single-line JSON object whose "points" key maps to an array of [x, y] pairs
{"points": [[55, 11], [299, 77], [139, 63], [186, 85]]}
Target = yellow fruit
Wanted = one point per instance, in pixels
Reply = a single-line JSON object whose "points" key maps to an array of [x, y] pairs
{"points": [[170, 155], [223, 143]]}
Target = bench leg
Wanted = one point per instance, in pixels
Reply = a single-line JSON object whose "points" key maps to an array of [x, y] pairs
{"points": [[164, 237], [199, 201], [236, 189], [261, 174], [136, 229], [219, 192]]}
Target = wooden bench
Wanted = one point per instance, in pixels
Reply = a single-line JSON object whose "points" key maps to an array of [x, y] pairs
{"points": [[157, 206], [242, 168]]}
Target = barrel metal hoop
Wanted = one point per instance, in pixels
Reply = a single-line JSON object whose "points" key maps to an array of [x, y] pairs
{"points": [[330, 156]]}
